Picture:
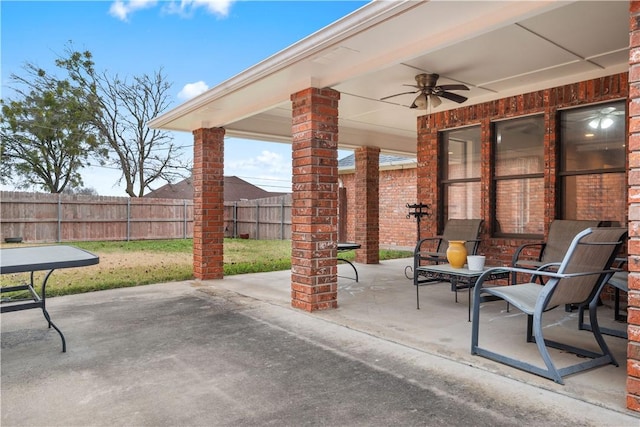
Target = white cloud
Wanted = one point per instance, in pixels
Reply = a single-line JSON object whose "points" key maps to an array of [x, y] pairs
{"points": [[267, 161], [191, 90], [219, 8], [269, 170], [122, 9]]}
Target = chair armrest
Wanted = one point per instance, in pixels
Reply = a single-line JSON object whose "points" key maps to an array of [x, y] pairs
{"points": [[418, 247], [516, 255], [545, 273]]}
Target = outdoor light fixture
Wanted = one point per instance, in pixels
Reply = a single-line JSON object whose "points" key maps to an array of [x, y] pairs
{"points": [[421, 101]]}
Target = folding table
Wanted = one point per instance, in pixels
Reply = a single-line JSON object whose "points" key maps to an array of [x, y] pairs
{"points": [[39, 258]]}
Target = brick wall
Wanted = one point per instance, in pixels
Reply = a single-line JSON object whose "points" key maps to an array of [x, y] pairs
{"points": [[397, 187], [547, 102]]}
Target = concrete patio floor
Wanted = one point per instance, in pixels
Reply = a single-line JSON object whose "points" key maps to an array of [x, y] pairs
{"points": [[383, 304], [376, 322]]}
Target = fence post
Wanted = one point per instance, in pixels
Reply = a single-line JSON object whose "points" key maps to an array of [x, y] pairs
{"points": [[59, 217], [257, 220], [282, 218], [184, 216], [129, 219], [235, 220]]}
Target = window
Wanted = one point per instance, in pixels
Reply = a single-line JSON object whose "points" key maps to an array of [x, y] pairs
{"points": [[592, 163], [519, 177], [461, 173]]}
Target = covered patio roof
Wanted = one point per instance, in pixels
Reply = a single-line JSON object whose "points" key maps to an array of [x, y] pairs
{"points": [[497, 49]]}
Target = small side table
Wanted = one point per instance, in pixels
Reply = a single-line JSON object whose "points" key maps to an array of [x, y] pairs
{"points": [[348, 246], [460, 278]]}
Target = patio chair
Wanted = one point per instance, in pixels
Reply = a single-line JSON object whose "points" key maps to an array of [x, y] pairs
{"points": [[561, 233], [575, 280], [434, 249]]}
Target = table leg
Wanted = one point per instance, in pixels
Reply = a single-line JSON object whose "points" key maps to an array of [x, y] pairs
{"points": [[46, 313], [469, 300], [454, 285], [352, 266]]}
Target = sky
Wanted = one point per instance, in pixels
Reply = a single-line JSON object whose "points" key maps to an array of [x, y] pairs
{"points": [[198, 44]]}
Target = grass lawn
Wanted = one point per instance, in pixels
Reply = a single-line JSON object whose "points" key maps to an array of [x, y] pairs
{"points": [[143, 262]]}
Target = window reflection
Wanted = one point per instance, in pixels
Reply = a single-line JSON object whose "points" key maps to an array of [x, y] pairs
{"points": [[519, 176], [461, 162], [593, 158]]}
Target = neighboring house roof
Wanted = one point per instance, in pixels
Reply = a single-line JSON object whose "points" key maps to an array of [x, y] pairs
{"points": [[387, 162], [180, 190], [496, 48], [235, 189]]}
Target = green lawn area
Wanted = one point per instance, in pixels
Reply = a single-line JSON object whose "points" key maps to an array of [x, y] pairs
{"points": [[134, 263]]}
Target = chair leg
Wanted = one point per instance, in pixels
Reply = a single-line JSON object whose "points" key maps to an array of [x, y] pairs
{"points": [[542, 348], [535, 334], [518, 364], [595, 329]]}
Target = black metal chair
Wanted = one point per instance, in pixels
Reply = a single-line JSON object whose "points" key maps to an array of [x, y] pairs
{"points": [[433, 250]]}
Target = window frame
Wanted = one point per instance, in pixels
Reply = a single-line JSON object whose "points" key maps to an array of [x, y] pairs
{"points": [[495, 179], [563, 174], [443, 167]]}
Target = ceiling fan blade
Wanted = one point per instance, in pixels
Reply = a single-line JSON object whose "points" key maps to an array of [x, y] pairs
{"points": [[398, 94], [453, 97], [453, 87]]}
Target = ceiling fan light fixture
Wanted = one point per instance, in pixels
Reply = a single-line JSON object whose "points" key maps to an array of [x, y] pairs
{"points": [[606, 123], [601, 123], [420, 102], [435, 101]]}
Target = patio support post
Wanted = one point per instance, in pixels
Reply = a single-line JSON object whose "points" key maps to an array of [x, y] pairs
{"points": [[208, 203], [314, 214], [633, 309], [427, 173], [367, 183]]}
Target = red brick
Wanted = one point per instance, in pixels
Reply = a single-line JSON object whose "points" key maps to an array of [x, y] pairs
{"points": [[208, 239], [315, 186]]}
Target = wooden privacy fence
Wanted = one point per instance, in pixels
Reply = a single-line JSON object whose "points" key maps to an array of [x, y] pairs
{"points": [[260, 219], [42, 217]]}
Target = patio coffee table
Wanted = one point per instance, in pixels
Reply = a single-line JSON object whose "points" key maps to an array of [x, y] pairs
{"points": [[39, 258], [460, 278]]}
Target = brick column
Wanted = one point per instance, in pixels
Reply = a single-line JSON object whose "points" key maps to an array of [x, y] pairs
{"points": [[633, 309], [208, 203], [428, 153], [367, 210], [314, 216]]}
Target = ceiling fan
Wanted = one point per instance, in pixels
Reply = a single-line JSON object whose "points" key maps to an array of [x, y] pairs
{"points": [[430, 93], [604, 118]]}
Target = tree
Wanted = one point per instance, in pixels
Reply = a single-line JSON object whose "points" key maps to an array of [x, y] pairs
{"points": [[47, 133], [123, 108], [81, 191]]}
